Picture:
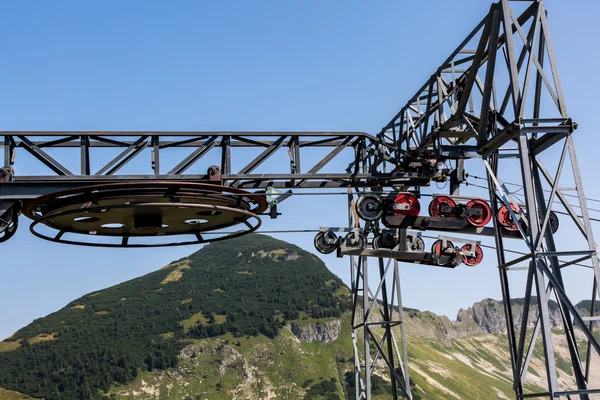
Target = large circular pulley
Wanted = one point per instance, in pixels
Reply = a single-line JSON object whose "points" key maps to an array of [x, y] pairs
{"points": [[356, 240], [415, 243], [144, 209], [385, 240], [553, 222]]}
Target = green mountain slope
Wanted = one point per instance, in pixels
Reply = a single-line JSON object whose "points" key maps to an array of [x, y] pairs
{"points": [[248, 286]]}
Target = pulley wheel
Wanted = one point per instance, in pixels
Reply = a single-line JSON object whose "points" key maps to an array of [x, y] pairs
{"points": [[505, 218], [486, 212], [6, 219], [356, 240], [384, 240], [552, 221], [439, 249], [369, 207], [326, 242], [413, 203], [475, 259], [437, 204], [417, 244]]}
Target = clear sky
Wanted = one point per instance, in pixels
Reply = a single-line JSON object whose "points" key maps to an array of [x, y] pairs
{"points": [[235, 65]]}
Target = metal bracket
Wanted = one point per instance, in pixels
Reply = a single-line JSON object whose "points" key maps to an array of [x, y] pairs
{"points": [[275, 196]]}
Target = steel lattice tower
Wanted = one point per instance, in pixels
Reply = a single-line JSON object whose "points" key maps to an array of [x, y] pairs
{"points": [[497, 98]]}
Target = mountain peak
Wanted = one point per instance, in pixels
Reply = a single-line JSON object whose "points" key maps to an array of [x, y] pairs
{"points": [[252, 246]]}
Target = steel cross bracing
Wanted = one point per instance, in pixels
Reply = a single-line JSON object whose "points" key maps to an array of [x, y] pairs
{"points": [[498, 98]]}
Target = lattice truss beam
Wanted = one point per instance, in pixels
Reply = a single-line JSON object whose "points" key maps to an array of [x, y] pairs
{"points": [[74, 158]]}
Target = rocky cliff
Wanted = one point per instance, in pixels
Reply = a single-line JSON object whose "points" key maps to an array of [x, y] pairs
{"points": [[488, 314], [318, 332]]}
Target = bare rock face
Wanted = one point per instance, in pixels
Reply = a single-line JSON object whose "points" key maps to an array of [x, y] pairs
{"points": [[277, 255], [489, 314], [428, 325], [319, 332]]}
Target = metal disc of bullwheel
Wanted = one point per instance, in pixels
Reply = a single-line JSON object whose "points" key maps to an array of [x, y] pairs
{"points": [[414, 207], [9, 223], [138, 210], [506, 219]]}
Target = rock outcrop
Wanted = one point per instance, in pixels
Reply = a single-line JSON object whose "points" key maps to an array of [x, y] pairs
{"points": [[489, 314], [319, 332]]}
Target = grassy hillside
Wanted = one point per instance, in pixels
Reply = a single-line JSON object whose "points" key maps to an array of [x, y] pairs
{"points": [[244, 287]]}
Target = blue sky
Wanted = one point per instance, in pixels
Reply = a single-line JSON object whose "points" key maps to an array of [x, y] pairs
{"points": [[262, 65]]}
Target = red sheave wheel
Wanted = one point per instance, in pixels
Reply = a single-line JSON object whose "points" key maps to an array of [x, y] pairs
{"points": [[486, 213], [435, 207], [437, 249], [407, 198], [506, 219], [472, 260]]}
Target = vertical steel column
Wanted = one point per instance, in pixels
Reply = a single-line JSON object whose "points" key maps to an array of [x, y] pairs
{"points": [[556, 270], [387, 318], [85, 154], [365, 327], [504, 285], [402, 330], [457, 177], [355, 276], [156, 154], [225, 157], [525, 159], [8, 152]]}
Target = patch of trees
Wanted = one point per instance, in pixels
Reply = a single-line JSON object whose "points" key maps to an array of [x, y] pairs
{"points": [[324, 390]]}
